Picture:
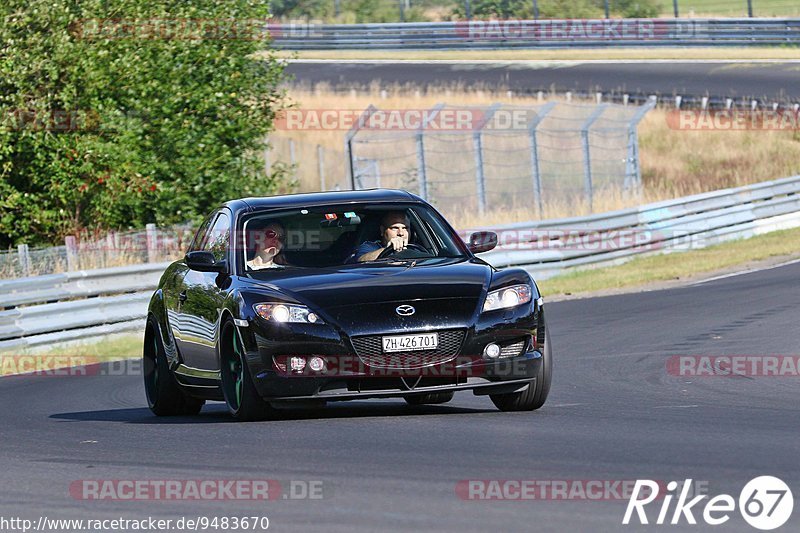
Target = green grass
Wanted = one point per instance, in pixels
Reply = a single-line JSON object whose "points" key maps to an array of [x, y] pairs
{"points": [[669, 267], [111, 348]]}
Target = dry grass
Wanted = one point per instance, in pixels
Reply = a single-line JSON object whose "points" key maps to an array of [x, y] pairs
{"points": [[679, 163], [675, 163]]}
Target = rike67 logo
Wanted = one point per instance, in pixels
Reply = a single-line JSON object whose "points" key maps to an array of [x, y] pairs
{"points": [[765, 503]]}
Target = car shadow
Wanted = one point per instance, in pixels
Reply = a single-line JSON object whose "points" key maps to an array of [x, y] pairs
{"points": [[217, 413]]}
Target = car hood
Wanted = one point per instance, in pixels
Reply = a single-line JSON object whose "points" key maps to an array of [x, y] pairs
{"points": [[363, 298]]}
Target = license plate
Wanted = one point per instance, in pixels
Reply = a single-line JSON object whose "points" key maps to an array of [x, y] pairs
{"points": [[406, 343]]}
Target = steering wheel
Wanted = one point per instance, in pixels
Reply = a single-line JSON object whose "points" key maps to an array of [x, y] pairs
{"points": [[410, 246]]}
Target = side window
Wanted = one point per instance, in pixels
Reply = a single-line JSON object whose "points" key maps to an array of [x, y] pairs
{"points": [[218, 238], [200, 236]]}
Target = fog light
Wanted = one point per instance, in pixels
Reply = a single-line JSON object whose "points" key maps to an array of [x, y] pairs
{"points": [[316, 364], [311, 318], [491, 351], [297, 364]]}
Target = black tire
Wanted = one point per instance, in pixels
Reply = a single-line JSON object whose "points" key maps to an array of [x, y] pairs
{"points": [[430, 398], [536, 394], [164, 395], [241, 397]]}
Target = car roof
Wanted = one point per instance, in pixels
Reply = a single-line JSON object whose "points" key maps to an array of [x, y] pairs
{"points": [[321, 198]]}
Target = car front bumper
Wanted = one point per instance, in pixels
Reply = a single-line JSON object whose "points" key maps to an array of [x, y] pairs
{"points": [[481, 376]]}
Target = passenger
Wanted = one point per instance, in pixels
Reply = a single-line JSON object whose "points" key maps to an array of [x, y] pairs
{"points": [[394, 234], [267, 241]]}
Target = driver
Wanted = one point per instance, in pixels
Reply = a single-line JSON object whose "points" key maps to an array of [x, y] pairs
{"points": [[394, 235]]}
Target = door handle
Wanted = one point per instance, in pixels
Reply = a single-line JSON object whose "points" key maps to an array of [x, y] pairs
{"points": [[182, 296]]}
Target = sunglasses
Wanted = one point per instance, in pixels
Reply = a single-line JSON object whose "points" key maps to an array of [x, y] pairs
{"points": [[258, 236], [272, 234]]}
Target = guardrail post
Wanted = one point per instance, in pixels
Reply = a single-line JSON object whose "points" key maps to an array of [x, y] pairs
{"points": [[535, 169], [536, 9], [321, 167], [152, 242], [675, 7], [350, 169], [477, 144], [750, 8], [72, 253], [587, 159], [468, 9], [605, 2], [24, 259]]}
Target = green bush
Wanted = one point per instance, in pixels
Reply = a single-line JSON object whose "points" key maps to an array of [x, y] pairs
{"points": [[125, 126]]}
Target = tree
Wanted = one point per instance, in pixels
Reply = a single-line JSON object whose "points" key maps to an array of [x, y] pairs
{"points": [[116, 114]]}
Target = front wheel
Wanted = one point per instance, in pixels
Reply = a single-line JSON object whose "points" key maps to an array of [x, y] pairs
{"points": [[536, 394], [243, 401], [164, 396]]}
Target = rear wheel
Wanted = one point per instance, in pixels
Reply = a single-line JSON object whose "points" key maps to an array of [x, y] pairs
{"points": [[243, 401], [164, 395], [430, 398], [536, 394]]}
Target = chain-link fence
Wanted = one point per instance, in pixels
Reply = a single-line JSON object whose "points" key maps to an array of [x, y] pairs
{"points": [[87, 252], [506, 157], [311, 166]]}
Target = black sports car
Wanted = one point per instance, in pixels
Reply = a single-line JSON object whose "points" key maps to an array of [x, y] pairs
{"points": [[302, 299]]}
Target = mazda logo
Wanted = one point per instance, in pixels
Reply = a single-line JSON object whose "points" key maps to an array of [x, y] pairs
{"points": [[405, 310]]}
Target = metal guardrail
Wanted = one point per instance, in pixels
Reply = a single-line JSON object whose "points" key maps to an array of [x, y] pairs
{"points": [[117, 297], [574, 33], [548, 247], [80, 284]]}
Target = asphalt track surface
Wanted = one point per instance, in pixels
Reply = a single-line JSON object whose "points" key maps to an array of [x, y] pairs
{"points": [[614, 413], [767, 81]]}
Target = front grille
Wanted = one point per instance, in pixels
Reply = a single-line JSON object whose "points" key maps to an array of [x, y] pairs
{"points": [[512, 350], [370, 350]]}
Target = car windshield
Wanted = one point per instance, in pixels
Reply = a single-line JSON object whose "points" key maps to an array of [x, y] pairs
{"points": [[336, 236]]}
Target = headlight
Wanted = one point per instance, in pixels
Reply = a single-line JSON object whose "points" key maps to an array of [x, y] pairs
{"points": [[283, 313], [507, 297]]}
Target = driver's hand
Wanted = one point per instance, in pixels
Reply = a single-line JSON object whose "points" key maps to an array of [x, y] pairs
{"points": [[398, 243]]}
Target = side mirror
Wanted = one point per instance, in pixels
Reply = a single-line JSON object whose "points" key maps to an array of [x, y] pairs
{"points": [[482, 241], [203, 261]]}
